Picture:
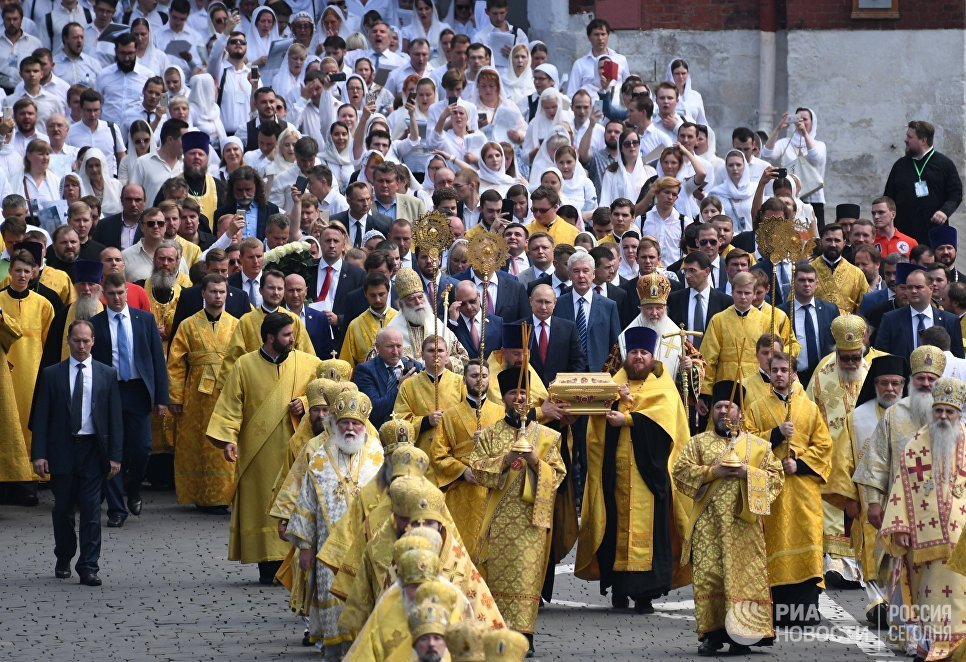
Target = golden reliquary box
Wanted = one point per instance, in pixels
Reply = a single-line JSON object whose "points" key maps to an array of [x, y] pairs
{"points": [[585, 392]]}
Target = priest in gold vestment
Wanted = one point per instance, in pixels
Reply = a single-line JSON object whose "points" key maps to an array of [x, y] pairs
{"points": [[800, 440], [455, 439], [924, 518], [360, 336], [521, 467], [14, 457], [839, 281], [627, 517], [252, 422], [733, 478], [87, 294], [202, 475], [417, 320]]}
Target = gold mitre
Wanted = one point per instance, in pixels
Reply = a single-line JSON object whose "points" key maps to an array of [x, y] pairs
{"points": [[848, 332], [653, 288], [505, 645], [315, 392], [332, 390], [408, 460], [407, 282], [411, 541], [429, 538], [354, 405], [335, 369], [950, 392], [464, 641], [416, 499], [394, 433], [435, 602], [927, 359], [417, 566]]}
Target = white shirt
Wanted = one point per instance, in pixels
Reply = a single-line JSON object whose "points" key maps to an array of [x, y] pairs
{"points": [[584, 74], [121, 90], [803, 358], [588, 299], [257, 160], [667, 231], [927, 322], [395, 81], [80, 135], [252, 287], [101, 51], [491, 291], [46, 101], [129, 335], [333, 284], [693, 322], [59, 17], [385, 60], [558, 284], [83, 69], [652, 138], [334, 202], [87, 421], [151, 172], [11, 53], [235, 92]]}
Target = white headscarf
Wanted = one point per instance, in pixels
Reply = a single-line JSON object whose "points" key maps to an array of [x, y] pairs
{"points": [[518, 88], [669, 76], [203, 102], [257, 44], [111, 195], [624, 183], [344, 30], [574, 187], [279, 164], [498, 180], [364, 161], [796, 139], [432, 34], [727, 188], [544, 159], [541, 126]]}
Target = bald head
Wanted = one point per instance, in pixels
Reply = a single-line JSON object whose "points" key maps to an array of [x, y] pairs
{"points": [[469, 298], [295, 291], [456, 224], [389, 345]]}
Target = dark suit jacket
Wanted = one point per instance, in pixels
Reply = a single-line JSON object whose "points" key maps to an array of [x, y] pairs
{"points": [[678, 302], [563, 351], [871, 301], [374, 380], [603, 327], [50, 421], [745, 241], [321, 333], [374, 221], [895, 331], [264, 211], [512, 302], [108, 231], [617, 295], [148, 354], [355, 305], [444, 281], [492, 340], [351, 277], [190, 302], [825, 312], [719, 276]]}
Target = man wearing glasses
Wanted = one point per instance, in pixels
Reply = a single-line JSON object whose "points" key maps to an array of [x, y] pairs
{"points": [[139, 258], [544, 202]]}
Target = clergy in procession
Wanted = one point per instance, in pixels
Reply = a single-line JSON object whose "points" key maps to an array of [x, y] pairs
{"points": [[839, 281], [202, 475], [758, 384], [520, 465], [346, 460], [14, 457], [164, 285], [417, 320], [247, 337], [733, 477], [416, 503], [87, 303], [252, 422], [627, 516], [455, 439], [732, 331], [884, 385], [793, 530], [924, 517], [437, 607], [834, 387], [360, 336], [876, 470], [424, 397]]}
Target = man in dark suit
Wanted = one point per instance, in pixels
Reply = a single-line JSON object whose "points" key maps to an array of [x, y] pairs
{"points": [[380, 377], [246, 192], [79, 446], [555, 343], [434, 290], [360, 218], [130, 342], [465, 321], [334, 278], [315, 322], [695, 305], [605, 270], [114, 229], [598, 323], [190, 301], [813, 321], [506, 297], [899, 330]]}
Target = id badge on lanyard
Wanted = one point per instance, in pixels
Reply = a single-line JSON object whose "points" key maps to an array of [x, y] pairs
{"points": [[921, 187]]}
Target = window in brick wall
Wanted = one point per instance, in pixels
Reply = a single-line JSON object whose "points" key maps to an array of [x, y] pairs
{"points": [[875, 9]]}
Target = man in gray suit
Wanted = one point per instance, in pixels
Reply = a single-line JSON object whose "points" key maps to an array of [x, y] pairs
{"points": [[596, 317]]}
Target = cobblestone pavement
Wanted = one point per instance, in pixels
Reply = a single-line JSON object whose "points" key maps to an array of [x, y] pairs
{"points": [[170, 594]]}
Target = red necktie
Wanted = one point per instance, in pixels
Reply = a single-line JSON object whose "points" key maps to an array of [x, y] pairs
{"points": [[326, 284], [542, 347], [597, 289], [514, 269]]}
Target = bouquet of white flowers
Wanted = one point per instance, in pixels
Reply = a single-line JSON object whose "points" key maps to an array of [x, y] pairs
{"points": [[292, 258]]}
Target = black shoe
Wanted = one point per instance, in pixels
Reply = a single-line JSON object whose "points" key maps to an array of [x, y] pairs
{"points": [[134, 505], [878, 616], [90, 580], [266, 572], [213, 510], [709, 648], [115, 521], [530, 651], [619, 601], [29, 500], [62, 570], [739, 649], [306, 639], [643, 607]]}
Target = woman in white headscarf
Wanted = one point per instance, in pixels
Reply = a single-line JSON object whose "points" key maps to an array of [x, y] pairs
{"points": [[492, 170], [337, 155], [550, 113], [426, 189], [147, 55], [736, 191], [284, 156], [503, 120], [287, 81], [801, 142], [577, 188], [518, 80], [174, 82], [232, 157], [367, 165], [689, 99], [625, 177], [333, 24], [560, 136], [261, 34], [203, 108], [95, 182], [425, 26], [457, 143]]}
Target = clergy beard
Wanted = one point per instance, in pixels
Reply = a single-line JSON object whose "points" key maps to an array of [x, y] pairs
{"points": [[849, 376], [416, 316], [944, 436], [162, 282], [348, 442], [86, 306], [653, 326], [721, 428], [886, 401], [921, 405], [636, 373], [432, 656], [831, 254]]}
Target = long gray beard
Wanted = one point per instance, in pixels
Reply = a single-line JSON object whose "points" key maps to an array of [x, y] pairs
{"points": [[921, 406], [653, 326], [163, 281], [885, 403], [417, 316], [945, 436], [349, 446], [86, 306], [848, 376]]}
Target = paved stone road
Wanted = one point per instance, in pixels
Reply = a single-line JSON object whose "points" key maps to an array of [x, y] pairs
{"points": [[170, 594]]}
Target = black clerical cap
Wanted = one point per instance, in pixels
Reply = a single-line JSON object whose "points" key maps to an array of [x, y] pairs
{"points": [[509, 380], [724, 389], [640, 337], [886, 364], [512, 336], [847, 210], [903, 269]]}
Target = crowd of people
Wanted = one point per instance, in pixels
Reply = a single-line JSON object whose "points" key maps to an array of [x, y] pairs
{"points": [[217, 280]]}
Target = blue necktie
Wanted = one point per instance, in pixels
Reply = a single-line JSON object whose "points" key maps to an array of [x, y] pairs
{"points": [[782, 281], [123, 354], [920, 327], [582, 324], [811, 342]]}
